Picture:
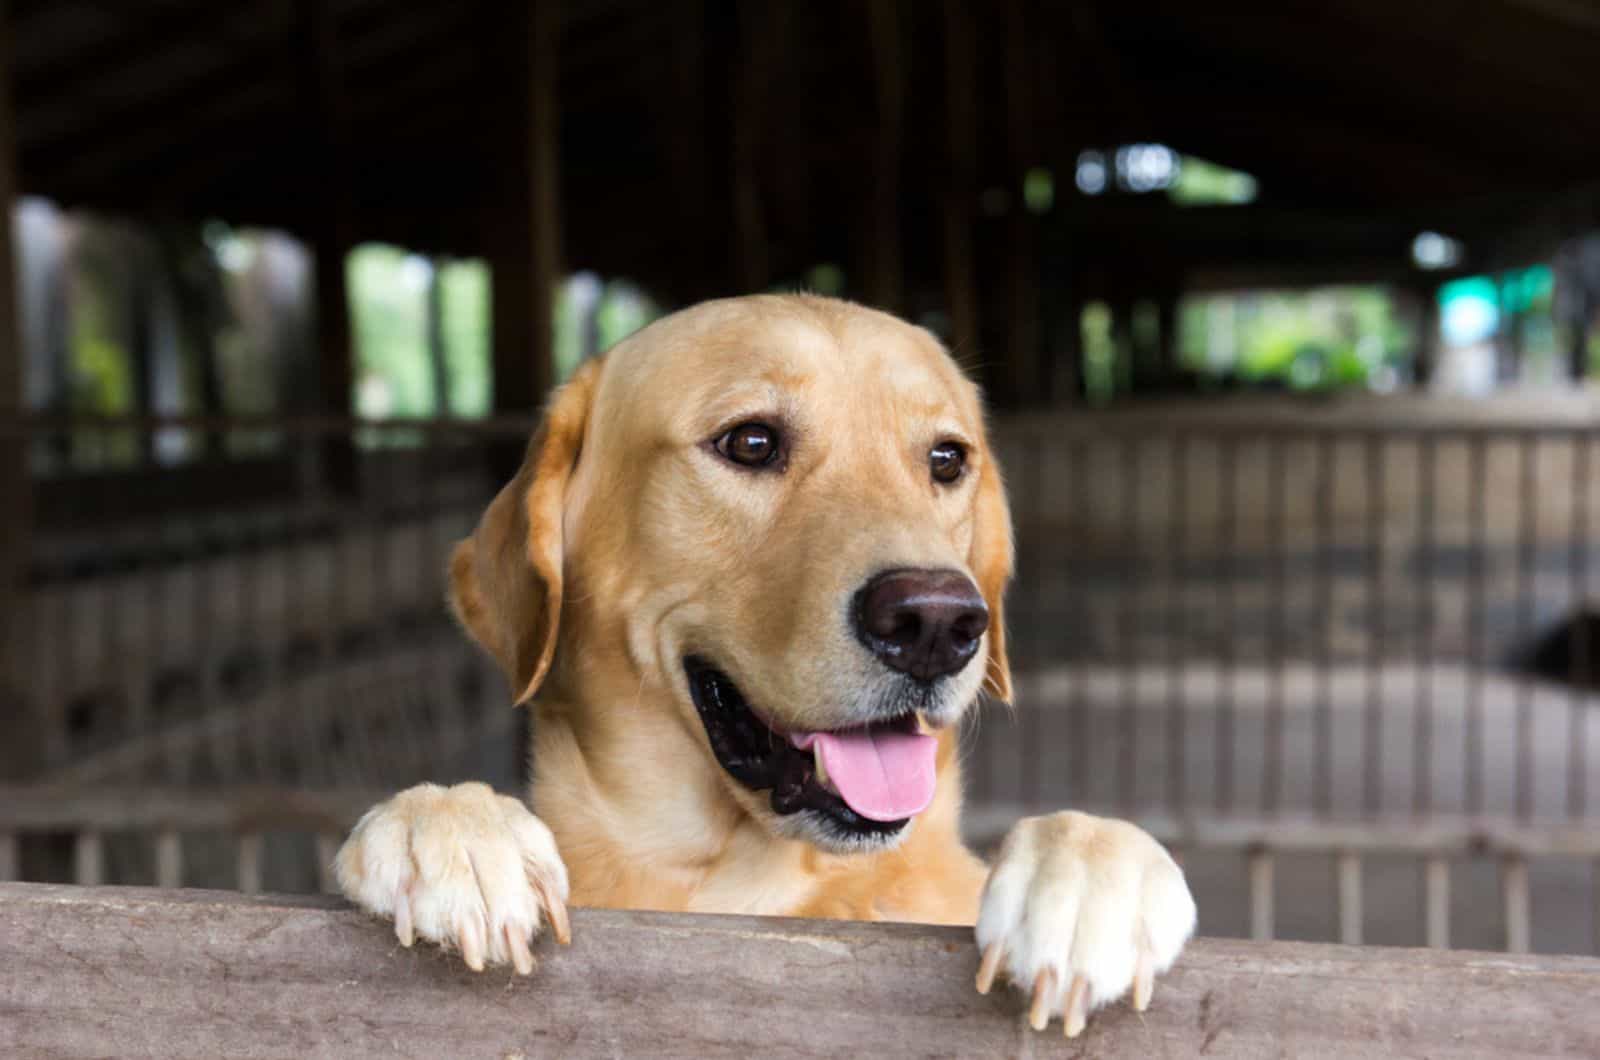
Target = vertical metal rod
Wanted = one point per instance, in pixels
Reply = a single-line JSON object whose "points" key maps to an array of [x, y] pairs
{"points": [[1322, 728], [1422, 737], [1228, 499], [1031, 747], [1128, 628], [1078, 711], [332, 604], [300, 613], [160, 655], [1262, 895], [1177, 609], [1594, 896], [249, 862], [1274, 748], [88, 859], [388, 446], [1515, 895], [10, 856], [343, 611], [1377, 621], [1436, 901], [250, 555], [147, 575], [203, 571], [276, 559], [1580, 651], [169, 859], [1476, 542], [327, 850], [109, 616], [1347, 867], [1527, 541], [431, 562], [65, 668]]}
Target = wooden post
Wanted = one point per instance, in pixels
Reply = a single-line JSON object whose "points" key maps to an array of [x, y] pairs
{"points": [[438, 361], [961, 188], [524, 225], [1168, 351], [1423, 309], [754, 57], [1023, 379], [1583, 321], [882, 254], [20, 731], [322, 99], [685, 111]]}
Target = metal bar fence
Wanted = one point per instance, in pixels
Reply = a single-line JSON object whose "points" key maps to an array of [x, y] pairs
{"points": [[1318, 624]]}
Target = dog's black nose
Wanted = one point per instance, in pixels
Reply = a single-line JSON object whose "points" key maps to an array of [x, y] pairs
{"points": [[926, 623]]}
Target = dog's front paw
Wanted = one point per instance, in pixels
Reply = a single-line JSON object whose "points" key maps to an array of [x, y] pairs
{"points": [[1079, 908], [461, 866]]}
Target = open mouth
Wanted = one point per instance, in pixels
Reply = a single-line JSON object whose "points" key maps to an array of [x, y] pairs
{"points": [[869, 779]]}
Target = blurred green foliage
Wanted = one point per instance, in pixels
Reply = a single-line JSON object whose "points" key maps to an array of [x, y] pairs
{"points": [[1202, 183], [1323, 339]]}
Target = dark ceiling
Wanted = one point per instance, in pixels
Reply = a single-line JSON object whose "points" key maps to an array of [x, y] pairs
{"points": [[675, 115]]}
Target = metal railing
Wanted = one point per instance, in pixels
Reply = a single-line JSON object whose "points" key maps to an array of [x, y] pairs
{"points": [[1336, 619], [1341, 663]]}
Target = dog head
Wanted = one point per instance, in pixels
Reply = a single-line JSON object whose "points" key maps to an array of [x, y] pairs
{"points": [[782, 515]]}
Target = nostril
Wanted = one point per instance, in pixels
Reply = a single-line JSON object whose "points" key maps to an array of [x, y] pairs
{"points": [[907, 629], [969, 627]]}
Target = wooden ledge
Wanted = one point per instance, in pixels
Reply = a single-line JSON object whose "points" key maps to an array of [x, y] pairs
{"points": [[141, 972]]}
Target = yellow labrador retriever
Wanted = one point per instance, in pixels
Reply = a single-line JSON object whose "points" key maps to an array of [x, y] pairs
{"points": [[752, 569]]}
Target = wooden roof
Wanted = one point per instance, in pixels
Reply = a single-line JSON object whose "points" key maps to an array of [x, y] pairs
{"points": [[689, 125]]}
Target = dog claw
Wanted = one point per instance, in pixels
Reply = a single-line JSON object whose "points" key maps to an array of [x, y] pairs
{"points": [[521, 956], [1044, 988], [989, 966], [403, 929], [555, 907], [1076, 1013], [470, 932], [1144, 980]]}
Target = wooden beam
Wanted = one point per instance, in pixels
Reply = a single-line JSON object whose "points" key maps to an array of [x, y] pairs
{"points": [[135, 971], [1571, 14], [153, 95], [22, 731]]}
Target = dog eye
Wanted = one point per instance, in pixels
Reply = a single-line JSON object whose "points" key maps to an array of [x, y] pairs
{"points": [[946, 461], [749, 444]]}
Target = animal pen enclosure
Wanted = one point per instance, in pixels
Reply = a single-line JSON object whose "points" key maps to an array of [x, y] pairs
{"points": [[1317, 653], [1341, 657]]}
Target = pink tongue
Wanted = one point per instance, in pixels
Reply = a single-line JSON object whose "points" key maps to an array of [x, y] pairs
{"points": [[883, 775]]}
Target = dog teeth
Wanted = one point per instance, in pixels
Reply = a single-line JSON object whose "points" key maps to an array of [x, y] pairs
{"points": [[822, 770]]}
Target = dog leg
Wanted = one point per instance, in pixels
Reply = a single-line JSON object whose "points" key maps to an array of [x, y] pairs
{"points": [[1077, 910], [464, 867]]}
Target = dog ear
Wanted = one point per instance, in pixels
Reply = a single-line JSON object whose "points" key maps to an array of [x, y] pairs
{"points": [[505, 580], [991, 561]]}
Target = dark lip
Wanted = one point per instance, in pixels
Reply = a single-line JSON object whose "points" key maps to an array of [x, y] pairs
{"points": [[762, 759]]}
